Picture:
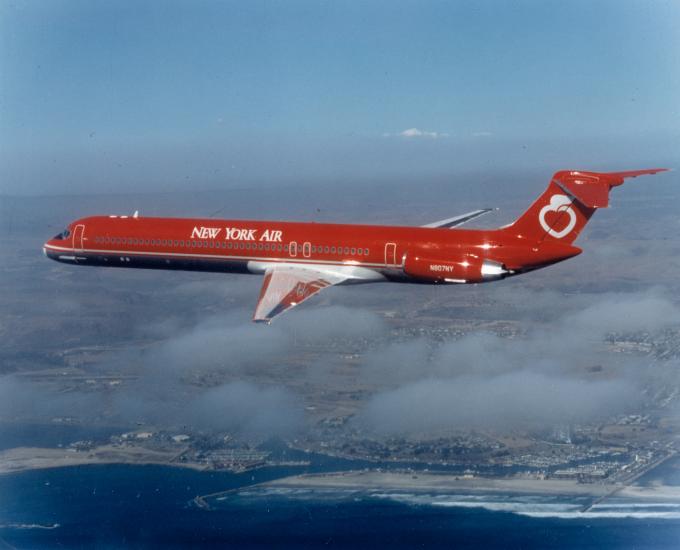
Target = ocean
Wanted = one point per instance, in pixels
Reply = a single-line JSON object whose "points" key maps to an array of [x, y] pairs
{"points": [[116, 506]]}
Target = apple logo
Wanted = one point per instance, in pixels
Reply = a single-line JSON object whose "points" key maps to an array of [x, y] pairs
{"points": [[559, 204]]}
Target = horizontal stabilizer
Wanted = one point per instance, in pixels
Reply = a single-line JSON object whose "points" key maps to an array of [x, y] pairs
{"points": [[592, 188]]}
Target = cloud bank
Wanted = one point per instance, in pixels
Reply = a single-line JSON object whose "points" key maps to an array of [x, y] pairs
{"points": [[560, 372], [417, 133]]}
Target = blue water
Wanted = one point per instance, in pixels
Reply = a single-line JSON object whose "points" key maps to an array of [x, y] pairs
{"points": [[151, 506]]}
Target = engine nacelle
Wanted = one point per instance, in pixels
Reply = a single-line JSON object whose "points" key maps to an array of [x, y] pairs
{"points": [[465, 269]]}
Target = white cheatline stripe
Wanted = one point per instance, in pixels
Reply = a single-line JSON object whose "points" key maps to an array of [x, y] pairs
{"points": [[219, 257]]}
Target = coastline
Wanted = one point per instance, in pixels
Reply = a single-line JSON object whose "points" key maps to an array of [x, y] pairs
{"points": [[439, 483], [22, 459]]}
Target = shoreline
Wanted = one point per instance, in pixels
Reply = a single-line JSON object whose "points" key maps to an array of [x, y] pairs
{"points": [[432, 482], [24, 459]]}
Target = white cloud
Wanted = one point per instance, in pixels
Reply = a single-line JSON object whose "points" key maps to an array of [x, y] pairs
{"points": [[417, 133]]}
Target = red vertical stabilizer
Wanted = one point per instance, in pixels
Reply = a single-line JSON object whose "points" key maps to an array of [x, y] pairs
{"points": [[562, 211]]}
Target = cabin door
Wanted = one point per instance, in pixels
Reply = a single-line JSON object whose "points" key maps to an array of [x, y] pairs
{"points": [[78, 233], [390, 254]]}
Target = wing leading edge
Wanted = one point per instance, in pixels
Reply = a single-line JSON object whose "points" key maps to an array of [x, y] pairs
{"points": [[458, 220]]}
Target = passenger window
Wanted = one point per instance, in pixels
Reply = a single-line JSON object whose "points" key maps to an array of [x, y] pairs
{"points": [[366, 251], [332, 250], [354, 251], [360, 251], [347, 250]]}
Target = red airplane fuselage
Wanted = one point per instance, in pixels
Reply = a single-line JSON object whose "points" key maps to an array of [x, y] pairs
{"points": [[409, 254], [310, 256]]}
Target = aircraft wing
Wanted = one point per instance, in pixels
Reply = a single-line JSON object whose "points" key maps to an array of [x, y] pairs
{"points": [[458, 220], [285, 287]]}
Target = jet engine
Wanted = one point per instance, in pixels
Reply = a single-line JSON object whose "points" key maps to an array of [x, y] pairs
{"points": [[464, 269]]}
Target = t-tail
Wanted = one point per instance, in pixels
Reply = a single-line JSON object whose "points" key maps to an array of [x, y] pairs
{"points": [[562, 211]]}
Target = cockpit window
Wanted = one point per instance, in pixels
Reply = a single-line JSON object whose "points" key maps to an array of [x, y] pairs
{"points": [[63, 235]]}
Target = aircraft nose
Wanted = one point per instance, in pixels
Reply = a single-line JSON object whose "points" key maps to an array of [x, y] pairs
{"points": [[51, 248]]}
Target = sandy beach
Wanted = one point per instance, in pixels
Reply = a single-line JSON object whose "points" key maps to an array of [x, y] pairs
{"points": [[33, 458], [440, 482]]}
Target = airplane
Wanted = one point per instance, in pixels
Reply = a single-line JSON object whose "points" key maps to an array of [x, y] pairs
{"points": [[298, 260]]}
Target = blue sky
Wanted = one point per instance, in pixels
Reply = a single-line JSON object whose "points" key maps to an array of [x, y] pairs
{"points": [[115, 96]]}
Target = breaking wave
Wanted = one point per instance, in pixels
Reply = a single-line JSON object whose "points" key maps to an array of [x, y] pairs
{"points": [[541, 507], [28, 526], [526, 505]]}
